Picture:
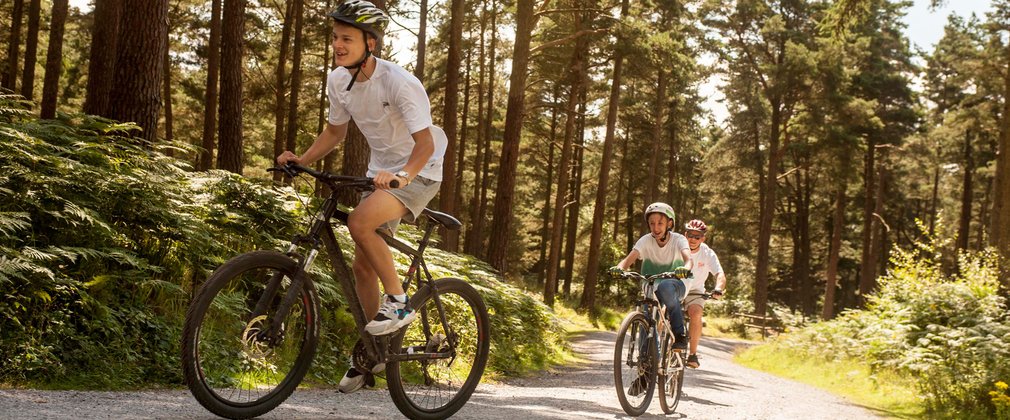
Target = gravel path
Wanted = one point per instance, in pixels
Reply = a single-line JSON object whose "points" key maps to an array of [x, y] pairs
{"points": [[719, 390]]}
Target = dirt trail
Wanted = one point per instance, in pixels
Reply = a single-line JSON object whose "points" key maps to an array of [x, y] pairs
{"points": [[721, 389]]}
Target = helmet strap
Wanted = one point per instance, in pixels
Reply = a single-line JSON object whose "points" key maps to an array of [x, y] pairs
{"points": [[361, 63]]}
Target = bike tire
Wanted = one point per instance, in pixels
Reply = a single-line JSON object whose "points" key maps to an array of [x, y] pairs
{"points": [[436, 390], [670, 385], [228, 368], [634, 329]]}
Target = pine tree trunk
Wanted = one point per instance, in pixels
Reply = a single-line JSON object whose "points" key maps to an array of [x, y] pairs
{"points": [[464, 130], [999, 225], [31, 50], [10, 74], [603, 178], [575, 202], [545, 212], [54, 58], [767, 213], [422, 34], [964, 224], [657, 136], [473, 238], [136, 93], [802, 269], [672, 177], [280, 85], [206, 159], [834, 251], [296, 77], [450, 122], [577, 75], [501, 226], [867, 272], [102, 61], [167, 86], [230, 155]]}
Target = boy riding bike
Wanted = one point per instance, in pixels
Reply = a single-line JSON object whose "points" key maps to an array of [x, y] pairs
{"points": [[705, 262], [663, 250], [391, 108]]}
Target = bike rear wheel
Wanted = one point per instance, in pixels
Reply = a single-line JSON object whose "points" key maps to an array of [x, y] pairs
{"points": [[438, 387], [232, 363], [635, 364], [671, 377]]}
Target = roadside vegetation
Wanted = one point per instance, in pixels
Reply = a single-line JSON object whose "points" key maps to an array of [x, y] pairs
{"points": [[933, 341]]}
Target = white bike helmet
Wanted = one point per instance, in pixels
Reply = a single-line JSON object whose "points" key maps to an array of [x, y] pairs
{"points": [[661, 208]]}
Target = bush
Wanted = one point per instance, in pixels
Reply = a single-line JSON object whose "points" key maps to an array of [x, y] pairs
{"points": [[950, 331]]}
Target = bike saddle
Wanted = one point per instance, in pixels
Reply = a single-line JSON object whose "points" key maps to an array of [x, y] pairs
{"points": [[443, 219]]}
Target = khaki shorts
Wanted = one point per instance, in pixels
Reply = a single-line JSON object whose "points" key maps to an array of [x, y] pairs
{"points": [[694, 300], [415, 197]]}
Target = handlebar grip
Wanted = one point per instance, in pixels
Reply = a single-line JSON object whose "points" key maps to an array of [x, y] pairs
{"points": [[394, 184]]}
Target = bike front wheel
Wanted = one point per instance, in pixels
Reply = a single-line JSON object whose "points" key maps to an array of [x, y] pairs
{"points": [[671, 377], [635, 364], [239, 362], [448, 355]]}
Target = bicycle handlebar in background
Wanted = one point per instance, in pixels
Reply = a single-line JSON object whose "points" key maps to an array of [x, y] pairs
{"points": [[292, 170]]}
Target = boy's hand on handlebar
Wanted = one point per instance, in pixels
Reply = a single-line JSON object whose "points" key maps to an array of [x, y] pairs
{"points": [[616, 272], [386, 180], [681, 273], [288, 156]]}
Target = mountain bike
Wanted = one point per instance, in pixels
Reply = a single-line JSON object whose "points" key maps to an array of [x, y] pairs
{"points": [[644, 353], [252, 330]]}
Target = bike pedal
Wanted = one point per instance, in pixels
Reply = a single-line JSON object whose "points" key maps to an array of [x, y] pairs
{"points": [[378, 368]]}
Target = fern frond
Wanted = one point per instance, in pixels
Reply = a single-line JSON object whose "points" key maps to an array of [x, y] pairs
{"points": [[13, 222]]}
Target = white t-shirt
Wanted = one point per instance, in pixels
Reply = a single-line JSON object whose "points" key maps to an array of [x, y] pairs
{"points": [[656, 259], [705, 262], [387, 108]]}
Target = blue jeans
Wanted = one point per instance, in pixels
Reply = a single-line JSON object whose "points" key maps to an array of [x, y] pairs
{"points": [[669, 293]]}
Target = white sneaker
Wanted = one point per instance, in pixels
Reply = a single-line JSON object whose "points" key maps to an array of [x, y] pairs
{"points": [[392, 316], [352, 381]]}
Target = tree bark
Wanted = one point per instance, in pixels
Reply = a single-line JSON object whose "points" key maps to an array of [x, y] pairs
{"points": [[167, 87], [230, 154], [767, 213], [575, 201], [102, 61], [867, 270], [588, 300], [457, 193], [296, 77], [1000, 222], [545, 212], [501, 226], [13, 47], [577, 76], [802, 268], [31, 50], [964, 224], [831, 272], [54, 58], [210, 96], [422, 34], [446, 201], [136, 93], [657, 135], [280, 84], [473, 230]]}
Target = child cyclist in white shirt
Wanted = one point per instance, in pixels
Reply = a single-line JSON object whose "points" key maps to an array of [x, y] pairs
{"points": [[663, 250], [705, 262], [391, 108]]}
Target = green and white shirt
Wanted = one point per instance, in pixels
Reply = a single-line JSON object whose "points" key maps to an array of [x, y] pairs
{"points": [[658, 259]]}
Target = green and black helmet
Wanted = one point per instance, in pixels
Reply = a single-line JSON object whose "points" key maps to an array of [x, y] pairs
{"points": [[362, 15]]}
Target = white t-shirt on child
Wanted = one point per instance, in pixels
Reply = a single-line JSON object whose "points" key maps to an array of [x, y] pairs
{"points": [[657, 259], [705, 262]]}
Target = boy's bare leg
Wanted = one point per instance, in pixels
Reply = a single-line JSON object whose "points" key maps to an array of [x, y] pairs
{"points": [[365, 284], [372, 212], [695, 311]]}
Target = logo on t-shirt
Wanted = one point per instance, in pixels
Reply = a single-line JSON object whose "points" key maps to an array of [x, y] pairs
{"points": [[385, 104]]}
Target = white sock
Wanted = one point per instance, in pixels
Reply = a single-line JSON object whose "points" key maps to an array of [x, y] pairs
{"points": [[401, 298]]}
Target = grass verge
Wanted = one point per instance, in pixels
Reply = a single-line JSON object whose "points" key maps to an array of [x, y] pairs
{"points": [[885, 393]]}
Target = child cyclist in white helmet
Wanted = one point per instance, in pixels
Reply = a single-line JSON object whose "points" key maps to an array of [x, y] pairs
{"points": [[705, 262], [663, 250]]}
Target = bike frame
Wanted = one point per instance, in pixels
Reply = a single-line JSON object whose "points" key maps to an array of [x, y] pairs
{"points": [[321, 234]]}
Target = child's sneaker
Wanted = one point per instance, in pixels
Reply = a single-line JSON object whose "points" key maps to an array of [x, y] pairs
{"points": [[392, 316], [680, 343], [692, 361]]}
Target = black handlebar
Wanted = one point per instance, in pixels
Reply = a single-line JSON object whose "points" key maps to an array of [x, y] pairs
{"points": [[360, 182]]}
